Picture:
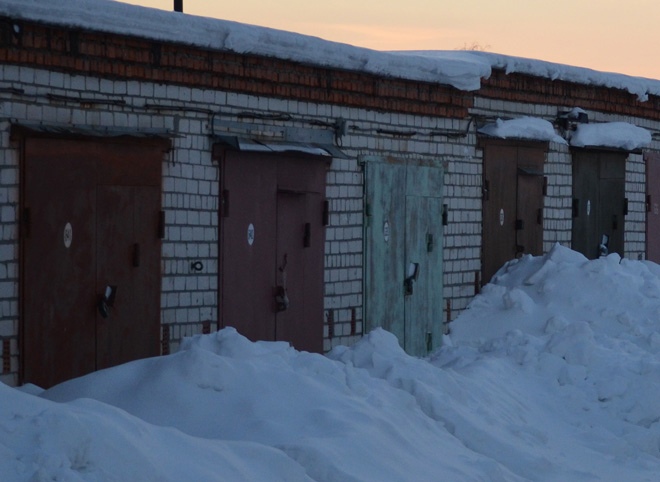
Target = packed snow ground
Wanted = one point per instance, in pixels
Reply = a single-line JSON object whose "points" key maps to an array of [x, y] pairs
{"points": [[553, 373]]}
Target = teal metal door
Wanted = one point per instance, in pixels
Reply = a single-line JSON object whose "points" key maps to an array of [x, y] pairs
{"points": [[403, 247]]}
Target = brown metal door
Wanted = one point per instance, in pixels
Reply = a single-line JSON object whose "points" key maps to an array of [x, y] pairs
{"points": [[652, 160], [529, 206], [59, 237], [91, 212], [127, 261], [272, 248], [499, 208], [512, 203], [598, 202]]}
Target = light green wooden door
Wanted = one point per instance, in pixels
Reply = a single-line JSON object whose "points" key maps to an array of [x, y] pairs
{"points": [[403, 248]]}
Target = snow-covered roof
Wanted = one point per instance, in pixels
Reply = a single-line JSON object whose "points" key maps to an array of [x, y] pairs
{"points": [[460, 69], [530, 128], [618, 135]]}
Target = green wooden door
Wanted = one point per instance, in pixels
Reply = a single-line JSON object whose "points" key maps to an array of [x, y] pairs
{"points": [[403, 248]]}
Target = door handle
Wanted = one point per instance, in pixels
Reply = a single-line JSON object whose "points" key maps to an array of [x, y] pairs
{"points": [[107, 300], [408, 283], [281, 295]]}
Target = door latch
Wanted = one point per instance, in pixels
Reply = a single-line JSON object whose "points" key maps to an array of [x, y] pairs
{"points": [[107, 300], [408, 283], [281, 296]]}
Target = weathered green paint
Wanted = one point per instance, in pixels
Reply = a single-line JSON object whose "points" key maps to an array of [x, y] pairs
{"points": [[404, 226]]}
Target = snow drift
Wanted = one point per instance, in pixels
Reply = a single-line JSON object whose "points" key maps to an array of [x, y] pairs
{"points": [[553, 373]]}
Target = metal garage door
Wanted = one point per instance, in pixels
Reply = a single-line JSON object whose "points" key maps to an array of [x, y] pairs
{"points": [[512, 202], [272, 246], [599, 203], [403, 251], [90, 291], [652, 160]]}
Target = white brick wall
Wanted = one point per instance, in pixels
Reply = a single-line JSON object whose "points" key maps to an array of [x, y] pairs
{"points": [[190, 188]]}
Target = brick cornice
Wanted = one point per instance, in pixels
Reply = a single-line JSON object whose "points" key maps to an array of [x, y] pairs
{"points": [[122, 57], [516, 87]]}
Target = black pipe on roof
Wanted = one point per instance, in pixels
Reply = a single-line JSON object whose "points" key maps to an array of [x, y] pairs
{"points": [[178, 6]]}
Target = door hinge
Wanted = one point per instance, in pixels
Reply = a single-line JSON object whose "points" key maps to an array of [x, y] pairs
{"points": [[539, 216], [648, 203], [445, 215], [625, 206], [307, 241], [576, 208], [485, 191], [225, 203], [27, 222], [6, 356], [326, 213], [161, 225], [545, 185]]}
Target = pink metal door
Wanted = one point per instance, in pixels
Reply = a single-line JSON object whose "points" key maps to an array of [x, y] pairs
{"points": [[272, 247], [652, 160]]}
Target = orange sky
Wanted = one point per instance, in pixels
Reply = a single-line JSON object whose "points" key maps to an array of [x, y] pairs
{"points": [[605, 35]]}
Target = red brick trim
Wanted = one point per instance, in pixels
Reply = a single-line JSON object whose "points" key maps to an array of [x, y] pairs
{"points": [[536, 90], [118, 56]]}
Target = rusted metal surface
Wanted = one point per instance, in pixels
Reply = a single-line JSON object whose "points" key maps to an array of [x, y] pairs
{"points": [[512, 203], [403, 251], [599, 202], [652, 160], [272, 247], [90, 203]]}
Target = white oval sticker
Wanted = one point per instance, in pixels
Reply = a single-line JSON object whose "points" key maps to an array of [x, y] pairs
{"points": [[588, 207], [68, 235], [386, 231], [250, 234], [501, 217]]}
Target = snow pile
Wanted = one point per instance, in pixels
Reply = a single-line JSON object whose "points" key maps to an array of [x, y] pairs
{"points": [[619, 135], [523, 128], [552, 374], [461, 69]]}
